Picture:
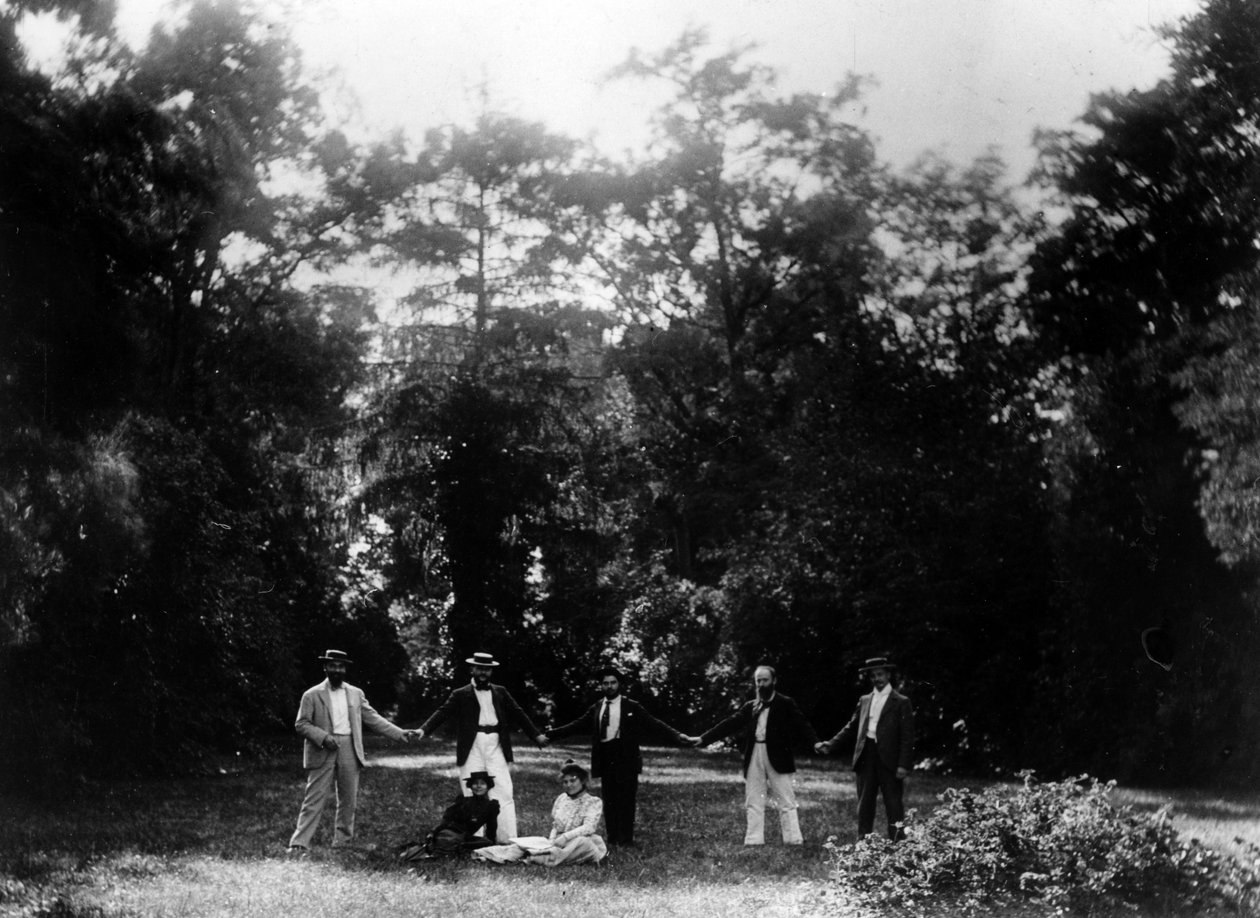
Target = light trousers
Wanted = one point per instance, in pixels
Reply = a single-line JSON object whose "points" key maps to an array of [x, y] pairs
{"points": [[487, 755], [762, 781], [337, 778]]}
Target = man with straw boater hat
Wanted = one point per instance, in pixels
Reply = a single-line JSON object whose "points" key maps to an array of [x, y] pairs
{"points": [[484, 714], [882, 732], [330, 719]]}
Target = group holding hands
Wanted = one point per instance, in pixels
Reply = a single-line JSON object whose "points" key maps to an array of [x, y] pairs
{"points": [[482, 823]]}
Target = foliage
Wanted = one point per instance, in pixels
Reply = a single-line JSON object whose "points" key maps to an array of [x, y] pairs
{"points": [[169, 547], [1145, 288], [1065, 846]]}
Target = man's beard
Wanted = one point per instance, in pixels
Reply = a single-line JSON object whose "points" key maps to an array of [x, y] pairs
{"points": [[765, 691], [610, 694], [335, 679], [482, 682]]}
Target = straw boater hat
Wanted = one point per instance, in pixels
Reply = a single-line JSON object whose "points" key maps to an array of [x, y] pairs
{"points": [[336, 656], [876, 663], [482, 659]]}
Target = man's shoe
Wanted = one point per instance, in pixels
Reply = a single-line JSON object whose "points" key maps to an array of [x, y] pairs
{"points": [[298, 852]]}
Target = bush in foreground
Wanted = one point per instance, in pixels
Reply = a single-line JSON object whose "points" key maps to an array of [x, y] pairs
{"points": [[1054, 847]]}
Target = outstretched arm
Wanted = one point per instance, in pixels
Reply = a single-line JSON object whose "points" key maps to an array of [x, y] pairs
{"points": [[580, 724], [660, 726], [375, 721], [725, 728], [846, 734], [437, 717], [517, 713]]}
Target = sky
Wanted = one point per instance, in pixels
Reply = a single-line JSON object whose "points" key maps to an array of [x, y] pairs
{"points": [[956, 76]]}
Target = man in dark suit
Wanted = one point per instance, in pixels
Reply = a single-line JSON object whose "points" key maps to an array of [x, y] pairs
{"points": [[484, 714], [882, 733], [615, 724], [773, 724]]}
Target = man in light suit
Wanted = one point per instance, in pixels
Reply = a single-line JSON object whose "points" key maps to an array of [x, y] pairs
{"points": [[483, 714], [615, 724], [882, 731], [330, 719], [772, 724]]}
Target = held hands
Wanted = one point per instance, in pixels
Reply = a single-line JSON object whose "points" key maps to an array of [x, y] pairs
{"points": [[542, 741], [822, 748], [902, 774], [692, 741]]}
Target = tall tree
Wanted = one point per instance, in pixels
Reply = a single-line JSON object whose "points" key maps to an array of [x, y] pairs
{"points": [[486, 368], [165, 387], [1140, 283]]}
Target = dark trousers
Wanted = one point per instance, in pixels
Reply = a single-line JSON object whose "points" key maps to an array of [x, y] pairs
{"points": [[619, 785], [874, 778]]}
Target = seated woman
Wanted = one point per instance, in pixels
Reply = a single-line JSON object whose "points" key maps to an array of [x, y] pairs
{"points": [[456, 834], [574, 823]]}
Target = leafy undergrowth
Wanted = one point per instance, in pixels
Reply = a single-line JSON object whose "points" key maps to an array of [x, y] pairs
{"points": [[1044, 848]]}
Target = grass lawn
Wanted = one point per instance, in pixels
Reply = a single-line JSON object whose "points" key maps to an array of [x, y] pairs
{"points": [[215, 846]]}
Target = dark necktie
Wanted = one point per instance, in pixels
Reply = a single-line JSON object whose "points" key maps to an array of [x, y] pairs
{"points": [[604, 720]]}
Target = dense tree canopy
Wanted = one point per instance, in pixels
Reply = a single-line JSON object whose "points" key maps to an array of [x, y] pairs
{"points": [[751, 396]]}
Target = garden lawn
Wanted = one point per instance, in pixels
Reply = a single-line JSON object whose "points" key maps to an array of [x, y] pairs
{"points": [[216, 845]]}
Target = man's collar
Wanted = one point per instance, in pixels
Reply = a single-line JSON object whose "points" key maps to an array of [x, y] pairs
{"points": [[473, 683], [884, 692]]}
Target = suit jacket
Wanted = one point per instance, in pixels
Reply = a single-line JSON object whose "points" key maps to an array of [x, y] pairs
{"points": [[462, 707], [634, 718], [786, 726], [314, 722], [894, 734]]}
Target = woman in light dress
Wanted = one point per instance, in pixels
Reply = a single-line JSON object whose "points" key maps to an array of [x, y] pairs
{"points": [[574, 826]]}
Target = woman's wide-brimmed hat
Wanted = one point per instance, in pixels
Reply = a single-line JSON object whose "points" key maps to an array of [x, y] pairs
{"points": [[876, 663], [482, 659], [336, 656], [479, 776]]}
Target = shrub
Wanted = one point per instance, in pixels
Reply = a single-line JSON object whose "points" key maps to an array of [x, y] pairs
{"points": [[1057, 847]]}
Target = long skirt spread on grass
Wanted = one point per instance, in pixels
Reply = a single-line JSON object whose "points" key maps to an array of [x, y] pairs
{"points": [[587, 849]]}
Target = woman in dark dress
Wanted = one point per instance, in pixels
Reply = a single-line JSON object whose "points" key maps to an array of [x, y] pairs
{"points": [[457, 834]]}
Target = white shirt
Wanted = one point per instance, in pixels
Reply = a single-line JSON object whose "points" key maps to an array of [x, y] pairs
{"points": [[878, 700], [339, 710], [614, 718], [486, 700], [760, 733]]}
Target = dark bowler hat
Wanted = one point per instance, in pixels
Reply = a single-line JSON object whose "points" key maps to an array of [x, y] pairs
{"points": [[336, 656], [482, 659], [876, 663], [479, 776], [610, 670]]}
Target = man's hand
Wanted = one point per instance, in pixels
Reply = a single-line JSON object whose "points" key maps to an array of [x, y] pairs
{"points": [[542, 741], [416, 734], [330, 742], [822, 748], [694, 741], [902, 774]]}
